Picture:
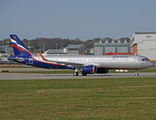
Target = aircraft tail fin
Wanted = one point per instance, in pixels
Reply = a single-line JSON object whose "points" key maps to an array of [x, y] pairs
{"points": [[18, 47]]}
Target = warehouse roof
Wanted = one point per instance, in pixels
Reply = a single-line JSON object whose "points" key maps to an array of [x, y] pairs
{"points": [[73, 46], [145, 32], [54, 51]]}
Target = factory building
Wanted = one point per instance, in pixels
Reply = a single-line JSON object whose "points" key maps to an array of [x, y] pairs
{"points": [[107, 45], [71, 49], [6, 51], [144, 43], [56, 51], [75, 49]]}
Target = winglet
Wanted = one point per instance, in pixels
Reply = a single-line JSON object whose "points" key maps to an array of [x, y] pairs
{"points": [[42, 56], [154, 61], [82, 53]]}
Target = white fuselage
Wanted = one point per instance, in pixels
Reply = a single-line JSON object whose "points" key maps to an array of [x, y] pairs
{"points": [[105, 61]]}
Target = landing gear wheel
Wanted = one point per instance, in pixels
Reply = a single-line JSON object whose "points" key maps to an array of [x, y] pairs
{"points": [[84, 74], [136, 74], [75, 74]]}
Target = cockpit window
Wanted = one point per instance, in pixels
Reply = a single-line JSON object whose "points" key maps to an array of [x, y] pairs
{"points": [[146, 59]]}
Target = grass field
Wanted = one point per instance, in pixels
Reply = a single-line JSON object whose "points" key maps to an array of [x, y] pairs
{"points": [[98, 99]]}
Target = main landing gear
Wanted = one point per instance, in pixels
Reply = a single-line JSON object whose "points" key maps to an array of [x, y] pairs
{"points": [[84, 74], [76, 74], [78, 68], [136, 73]]}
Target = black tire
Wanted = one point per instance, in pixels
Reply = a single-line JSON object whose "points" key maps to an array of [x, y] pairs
{"points": [[84, 74], [137, 74], [75, 74]]}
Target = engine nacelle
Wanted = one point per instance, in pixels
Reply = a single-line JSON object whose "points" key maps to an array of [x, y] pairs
{"points": [[89, 69], [102, 70]]}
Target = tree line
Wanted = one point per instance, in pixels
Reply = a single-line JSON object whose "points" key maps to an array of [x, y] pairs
{"points": [[37, 44]]}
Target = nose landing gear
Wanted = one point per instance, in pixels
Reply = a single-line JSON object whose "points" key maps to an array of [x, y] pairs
{"points": [[136, 73], [75, 74]]}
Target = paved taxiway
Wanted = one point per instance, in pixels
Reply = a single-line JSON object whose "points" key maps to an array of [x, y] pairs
{"points": [[33, 76], [30, 76]]}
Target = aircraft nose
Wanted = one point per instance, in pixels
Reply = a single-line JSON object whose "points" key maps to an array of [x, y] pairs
{"points": [[151, 64]]}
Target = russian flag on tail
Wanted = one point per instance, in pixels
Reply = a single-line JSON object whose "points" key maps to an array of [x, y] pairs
{"points": [[18, 47]]}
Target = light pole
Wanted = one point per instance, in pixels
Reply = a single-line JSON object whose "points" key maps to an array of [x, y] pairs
{"points": [[43, 47]]}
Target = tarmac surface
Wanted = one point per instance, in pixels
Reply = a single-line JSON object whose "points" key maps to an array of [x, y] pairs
{"points": [[37, 76]]}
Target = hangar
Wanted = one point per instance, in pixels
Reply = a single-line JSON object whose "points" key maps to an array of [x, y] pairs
{"points": [[107, 45], [144, 43]]}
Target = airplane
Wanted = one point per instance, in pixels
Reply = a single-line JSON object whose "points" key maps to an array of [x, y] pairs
{"points": [[87, 64]]}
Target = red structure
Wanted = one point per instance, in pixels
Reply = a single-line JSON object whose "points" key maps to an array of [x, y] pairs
{"points": [[119, 53], [134, 49]]}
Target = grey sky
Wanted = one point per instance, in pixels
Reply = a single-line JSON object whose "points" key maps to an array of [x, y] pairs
{"points": [[84, 19]]}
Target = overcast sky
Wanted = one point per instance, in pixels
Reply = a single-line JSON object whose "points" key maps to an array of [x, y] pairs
{"points": [[84, 19]]}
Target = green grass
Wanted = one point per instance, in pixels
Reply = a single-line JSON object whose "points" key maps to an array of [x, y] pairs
{"points": [[98, 99]]}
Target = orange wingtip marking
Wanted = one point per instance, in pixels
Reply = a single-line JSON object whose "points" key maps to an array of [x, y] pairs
{"points": [[41, 56], [153, 61], [14, 37], [82, 53]]}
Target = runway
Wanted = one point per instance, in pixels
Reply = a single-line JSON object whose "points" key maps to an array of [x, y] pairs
{"points": [[37, 76], [34, 76]]}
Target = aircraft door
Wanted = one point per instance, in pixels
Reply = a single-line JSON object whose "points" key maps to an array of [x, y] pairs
{"points": [[30, 60], [135, 60]]}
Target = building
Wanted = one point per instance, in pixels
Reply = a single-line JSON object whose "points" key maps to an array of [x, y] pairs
{"points": [[108, 45], [89, 51], [56, 51], [75, 49], [6, 51], [72, 49], [144, 43]]}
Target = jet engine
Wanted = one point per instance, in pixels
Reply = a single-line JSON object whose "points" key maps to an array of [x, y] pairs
{"points": [[89, 69]]}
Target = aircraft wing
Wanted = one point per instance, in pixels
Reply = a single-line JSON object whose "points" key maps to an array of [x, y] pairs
{"points": [[76, 65], [62, 63]]}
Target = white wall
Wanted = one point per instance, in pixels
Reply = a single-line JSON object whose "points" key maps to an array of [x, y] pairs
{"points": [[139, 37], [147, 48], [149, 53], [109, 49], [98, 51], [146, 44], [122, 49]]}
